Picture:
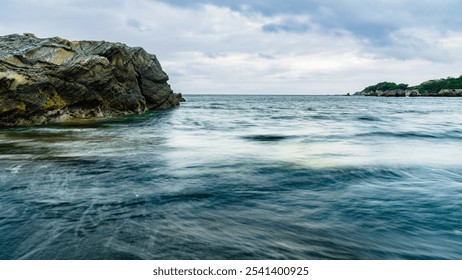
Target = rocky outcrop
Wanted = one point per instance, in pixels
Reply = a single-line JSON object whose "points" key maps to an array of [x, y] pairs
{"points": [[385, 93], [53, 79], [450, 92], [412, 93]]}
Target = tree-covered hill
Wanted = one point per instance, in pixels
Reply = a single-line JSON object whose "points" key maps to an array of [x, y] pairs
{"points": [[434, 86], [385, 86], [440, 87]]}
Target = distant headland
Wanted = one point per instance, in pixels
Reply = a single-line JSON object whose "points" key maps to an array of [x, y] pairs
{"points": [[449, 87], [53, 79]]}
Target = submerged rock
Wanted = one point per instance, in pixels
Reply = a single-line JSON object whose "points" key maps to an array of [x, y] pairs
{"points": [[53, 79]]}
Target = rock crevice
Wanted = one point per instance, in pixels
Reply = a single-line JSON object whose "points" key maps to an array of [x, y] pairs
{"points": [[53, 79]]}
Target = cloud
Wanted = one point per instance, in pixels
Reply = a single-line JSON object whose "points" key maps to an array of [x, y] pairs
{"points": [[288, 25], [264, 46], [131, 22], [373, 21]]}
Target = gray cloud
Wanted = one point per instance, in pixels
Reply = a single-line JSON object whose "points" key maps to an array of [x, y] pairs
{"points": [[266, 56], [134, 23], [287, 26], [373, 21]]}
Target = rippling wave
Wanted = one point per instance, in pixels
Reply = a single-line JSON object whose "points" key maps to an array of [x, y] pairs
{"points": [[240, 177]]}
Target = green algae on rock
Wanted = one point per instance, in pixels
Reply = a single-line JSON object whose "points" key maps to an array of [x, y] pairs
{"points": [[51, 80]]}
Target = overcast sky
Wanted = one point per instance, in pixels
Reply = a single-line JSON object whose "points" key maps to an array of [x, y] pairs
{"points": [[264, 46]]}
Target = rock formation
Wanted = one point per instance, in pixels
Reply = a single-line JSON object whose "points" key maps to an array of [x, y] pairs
{"points": [[448, 87], [53, 79], [411, 93]]}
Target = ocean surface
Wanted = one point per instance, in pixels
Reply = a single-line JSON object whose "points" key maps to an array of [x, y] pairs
{"points": [[240, 177]]}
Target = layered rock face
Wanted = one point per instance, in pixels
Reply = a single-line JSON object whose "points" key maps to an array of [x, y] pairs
{"points": [[53, 79]]}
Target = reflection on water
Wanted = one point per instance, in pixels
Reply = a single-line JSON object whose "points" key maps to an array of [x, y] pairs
{"points": [[240, 177]]}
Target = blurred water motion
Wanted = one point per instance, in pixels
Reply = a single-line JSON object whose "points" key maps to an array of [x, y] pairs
{"points": [[240, 177]]}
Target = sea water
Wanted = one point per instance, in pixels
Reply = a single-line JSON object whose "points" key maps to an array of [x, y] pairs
{"points": [[240, 177]]}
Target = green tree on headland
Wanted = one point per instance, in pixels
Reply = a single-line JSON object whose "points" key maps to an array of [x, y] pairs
{"points": [[385, 86], [432, 86]]}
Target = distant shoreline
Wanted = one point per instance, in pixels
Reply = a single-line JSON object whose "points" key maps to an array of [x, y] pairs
{"points": [[449, 87]]}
